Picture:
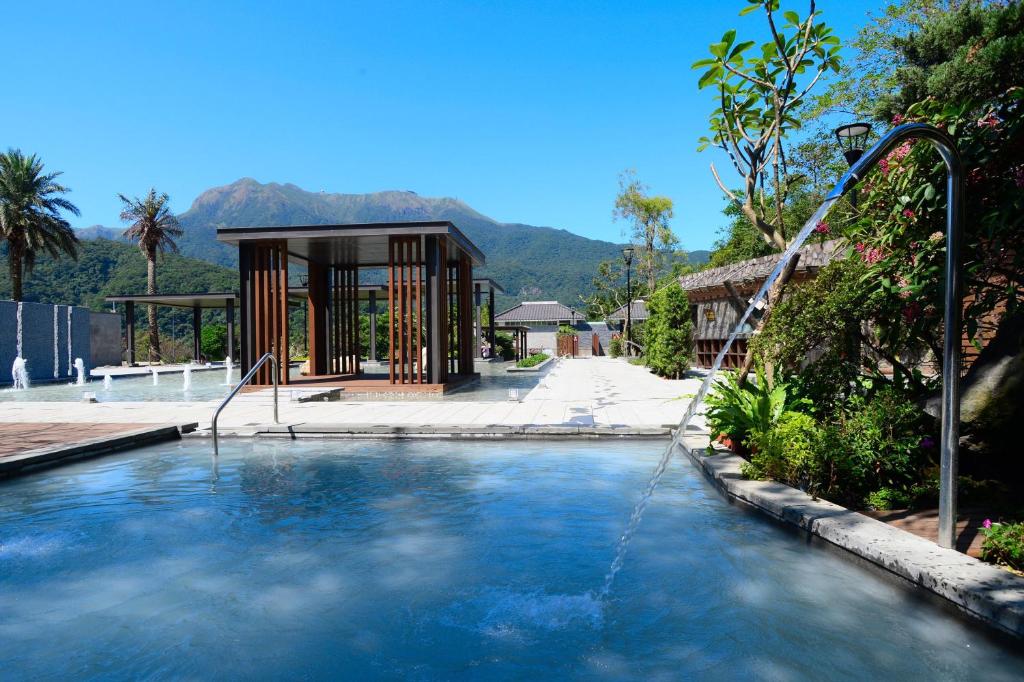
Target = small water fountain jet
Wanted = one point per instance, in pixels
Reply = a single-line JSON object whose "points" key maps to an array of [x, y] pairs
{"points": [[69, 340], [20, 332], [19, 373], [228, 370], [186, 379], [80, 372], [951, 342], [156, 376], [108, 382]]}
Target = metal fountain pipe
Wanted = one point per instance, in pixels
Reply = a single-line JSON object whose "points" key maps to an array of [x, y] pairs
{"points": [[950, 436]]}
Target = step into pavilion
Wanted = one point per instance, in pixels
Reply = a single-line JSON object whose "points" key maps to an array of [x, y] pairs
{"points": [[428, 297]]}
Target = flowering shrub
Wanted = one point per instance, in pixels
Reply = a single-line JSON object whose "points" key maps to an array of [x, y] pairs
{"points": [[1003, 544], [900, 233]]}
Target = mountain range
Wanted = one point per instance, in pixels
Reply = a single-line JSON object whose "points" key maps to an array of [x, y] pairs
{"points": [[530, 262]]}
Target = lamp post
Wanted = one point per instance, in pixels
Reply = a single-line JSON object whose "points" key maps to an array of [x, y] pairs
{"points": [[627, 255], [852, 138]]}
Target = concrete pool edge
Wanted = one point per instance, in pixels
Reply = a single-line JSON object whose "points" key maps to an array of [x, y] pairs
{"points": [[440, 431], [30, 461], [981, 590]]}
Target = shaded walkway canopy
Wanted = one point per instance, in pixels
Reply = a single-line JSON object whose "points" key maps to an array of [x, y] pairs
{"points": [[197, 302], [429, 270]]}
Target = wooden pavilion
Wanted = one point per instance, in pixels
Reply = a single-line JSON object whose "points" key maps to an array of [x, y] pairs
{"points": [[428, 267]]}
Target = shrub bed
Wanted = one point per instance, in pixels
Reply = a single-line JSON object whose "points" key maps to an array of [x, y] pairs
{"points": [[532, 360]]}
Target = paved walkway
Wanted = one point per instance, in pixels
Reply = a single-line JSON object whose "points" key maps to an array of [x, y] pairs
{"points": [[580, 392], [18, 437]]}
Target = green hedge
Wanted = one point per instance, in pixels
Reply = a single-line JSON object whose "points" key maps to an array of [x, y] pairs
{"points": [[533, 360]]}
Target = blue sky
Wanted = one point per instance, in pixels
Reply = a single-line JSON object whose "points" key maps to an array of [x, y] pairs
{"points": [[527, 111]]}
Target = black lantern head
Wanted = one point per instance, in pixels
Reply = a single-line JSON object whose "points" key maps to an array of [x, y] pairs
{"points": [[852, 139], [627, 254]]}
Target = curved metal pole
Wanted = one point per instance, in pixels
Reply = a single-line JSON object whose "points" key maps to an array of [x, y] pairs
{"points": [[950, 429], [238, 387]]}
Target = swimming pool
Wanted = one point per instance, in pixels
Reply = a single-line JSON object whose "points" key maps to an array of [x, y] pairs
{"points": [[438, 560]]}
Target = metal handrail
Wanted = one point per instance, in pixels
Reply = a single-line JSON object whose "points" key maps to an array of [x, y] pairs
{"points": [[949, 447], [238, 387]]}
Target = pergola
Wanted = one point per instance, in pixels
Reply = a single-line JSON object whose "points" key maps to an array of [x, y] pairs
{"points": [[519, 333], [428, 297], [197, 302], [478, 287]]}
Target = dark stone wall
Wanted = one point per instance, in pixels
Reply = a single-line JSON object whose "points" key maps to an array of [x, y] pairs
{"points": [[44, 361], [105, 338]]}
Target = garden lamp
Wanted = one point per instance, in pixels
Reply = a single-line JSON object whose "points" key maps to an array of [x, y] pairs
{"points": [[627, 255], [852, 138]]}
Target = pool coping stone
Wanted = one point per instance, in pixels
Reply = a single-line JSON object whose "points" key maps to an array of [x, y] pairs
{"points": [[32, 460], [981, 590], [326, 430]]}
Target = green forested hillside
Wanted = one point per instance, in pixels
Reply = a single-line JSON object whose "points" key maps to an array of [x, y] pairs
{"points": [[530, 262], [107, 268]]}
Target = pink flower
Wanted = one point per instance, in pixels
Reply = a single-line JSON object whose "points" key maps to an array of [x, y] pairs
{"points": [[904, 287], [989, 121], [884, 165], [860, 247], [901, 151], [872, 256], [907, 213], [987, 523], [897, 119], [936, 237], [821, 227]]}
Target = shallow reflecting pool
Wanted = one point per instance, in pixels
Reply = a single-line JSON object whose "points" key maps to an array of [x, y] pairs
{"points": [[438, 560], [207, 384]]}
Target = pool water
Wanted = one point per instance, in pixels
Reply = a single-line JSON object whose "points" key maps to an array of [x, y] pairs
{"points": [[438, 560]]}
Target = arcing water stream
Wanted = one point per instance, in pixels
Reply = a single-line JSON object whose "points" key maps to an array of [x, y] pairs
{"points": [[638, 511]]}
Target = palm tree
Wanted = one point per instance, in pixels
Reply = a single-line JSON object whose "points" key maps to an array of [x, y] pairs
{"points": [[30, 220], [155, 228]]}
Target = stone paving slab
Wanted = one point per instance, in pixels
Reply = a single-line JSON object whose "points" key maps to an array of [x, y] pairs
{"points": [[65, 442], [579, 393], [448, 430], [984, 591]]}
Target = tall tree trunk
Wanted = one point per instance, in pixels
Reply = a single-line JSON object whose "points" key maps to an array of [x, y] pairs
{"points": [[16, 259], [154, 329]]}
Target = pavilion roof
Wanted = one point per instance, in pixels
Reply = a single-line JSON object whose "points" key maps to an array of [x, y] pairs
{"points": [[201, 300], [637, 311], [539, 311], [362, 244], [812, 256]]}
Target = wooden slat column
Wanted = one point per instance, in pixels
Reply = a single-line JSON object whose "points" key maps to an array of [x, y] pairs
{"points": [[405, 310], [129, 331], [465, 303], [435, 310], [347, 351], [263, 272], [478, 336], [317, 320]]}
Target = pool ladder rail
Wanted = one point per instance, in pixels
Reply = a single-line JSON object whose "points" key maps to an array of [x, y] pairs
{"points": [[238, 387]]}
